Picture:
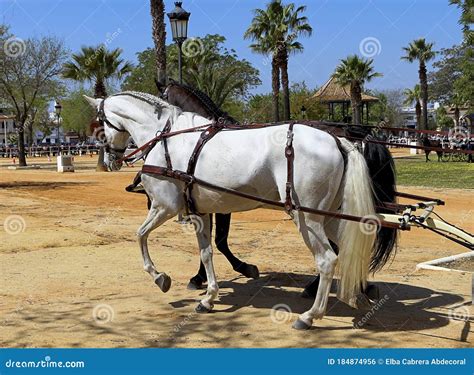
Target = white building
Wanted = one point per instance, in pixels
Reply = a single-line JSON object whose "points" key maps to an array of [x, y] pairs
{"points": [[7, 128], [409, 115]]}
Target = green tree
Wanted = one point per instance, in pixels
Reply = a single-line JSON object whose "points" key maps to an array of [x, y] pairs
{"points": [[466, 19], [449, 83], [354, 71], [388, 108], [77, 113], [413, 96], [29, 72], [463, 86], [275, 32], [140, 78], [423, 52], [446, 71], [97, 65], [442, 118], [300, 96]]}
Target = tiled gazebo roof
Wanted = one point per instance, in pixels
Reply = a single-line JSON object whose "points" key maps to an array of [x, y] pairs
{"points": [[332, 92]]}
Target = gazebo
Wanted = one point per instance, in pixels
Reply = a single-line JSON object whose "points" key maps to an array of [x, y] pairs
{"points": [[332, 94]]}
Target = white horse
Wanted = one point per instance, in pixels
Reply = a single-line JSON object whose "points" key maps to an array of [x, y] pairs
{"points": [[328, 175]]}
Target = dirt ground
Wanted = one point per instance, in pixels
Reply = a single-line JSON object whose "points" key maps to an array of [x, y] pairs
{"points": [[71, 275]]}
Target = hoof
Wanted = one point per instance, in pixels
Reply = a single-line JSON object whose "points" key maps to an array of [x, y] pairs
{"points": [[164, 282], [301, 326], [373, 292], [201, 309], [248, 270], [362, 302], [195, 283]]}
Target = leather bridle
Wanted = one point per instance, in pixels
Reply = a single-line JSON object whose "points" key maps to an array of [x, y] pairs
{"points": [[104, 120]]}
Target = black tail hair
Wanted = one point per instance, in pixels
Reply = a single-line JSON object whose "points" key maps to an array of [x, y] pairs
{"points": [[382, 172]]}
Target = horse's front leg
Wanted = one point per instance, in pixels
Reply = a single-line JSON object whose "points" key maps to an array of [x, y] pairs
{"points": [[204, 242], [222, 234], [155, 218], [196, 282]]}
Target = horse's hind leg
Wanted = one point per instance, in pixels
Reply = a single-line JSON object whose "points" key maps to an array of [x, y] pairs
{"points": [[312, 230], [155, 218], [204, 241], [222, 233], [311, 289]]}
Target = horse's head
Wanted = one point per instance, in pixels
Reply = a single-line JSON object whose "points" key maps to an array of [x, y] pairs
{"points": [[109, 131], [162, 89]]}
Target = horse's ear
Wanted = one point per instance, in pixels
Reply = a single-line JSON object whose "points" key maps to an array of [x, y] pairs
{"points": [[161, 87], [93, 102]]}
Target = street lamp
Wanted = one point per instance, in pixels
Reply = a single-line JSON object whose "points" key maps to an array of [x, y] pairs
{"points": [[57, 109], [179, 19]]}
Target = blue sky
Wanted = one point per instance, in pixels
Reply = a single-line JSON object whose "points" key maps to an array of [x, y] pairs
{"points": [[340, 26]]}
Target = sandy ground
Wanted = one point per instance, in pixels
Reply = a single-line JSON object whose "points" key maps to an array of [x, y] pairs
{"points": [[72, 276]]}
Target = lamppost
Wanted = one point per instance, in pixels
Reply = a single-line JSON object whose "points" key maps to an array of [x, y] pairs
{"points": [[57, 109], [179, 19]]}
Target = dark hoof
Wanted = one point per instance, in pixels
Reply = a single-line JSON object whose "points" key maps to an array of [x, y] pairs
{"points": [[195, 283], [300, 325], [248, 270], [164, 282], [201, 309], [363, 302], [373, 292], [308, 294]]}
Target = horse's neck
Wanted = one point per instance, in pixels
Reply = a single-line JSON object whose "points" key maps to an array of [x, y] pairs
{"points": [[188, 120], [141, 133], [190, 104]]}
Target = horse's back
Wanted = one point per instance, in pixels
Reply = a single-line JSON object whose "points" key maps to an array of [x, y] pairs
{"points": [[254, 161]]}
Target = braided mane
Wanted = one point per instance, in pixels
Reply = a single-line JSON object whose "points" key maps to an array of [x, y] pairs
{"points": [[206, 101], [152, 100], [143, 96]]}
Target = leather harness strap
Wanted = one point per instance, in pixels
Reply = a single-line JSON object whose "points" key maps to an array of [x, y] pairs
{"points": [[183, 176], [166, 130], [290, 156], [203, 139]]}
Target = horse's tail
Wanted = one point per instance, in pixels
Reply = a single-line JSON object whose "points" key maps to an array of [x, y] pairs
{"points": [[356, 239], [382, 172]]}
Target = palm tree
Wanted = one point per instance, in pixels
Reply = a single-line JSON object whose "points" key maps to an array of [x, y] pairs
{"points": [[275, 31], [97, 65], [422, 51], [355, 72], [159, 38], [414, 96]]}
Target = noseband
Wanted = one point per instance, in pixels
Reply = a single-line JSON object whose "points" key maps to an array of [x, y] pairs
{"points": [[104, 120]]}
